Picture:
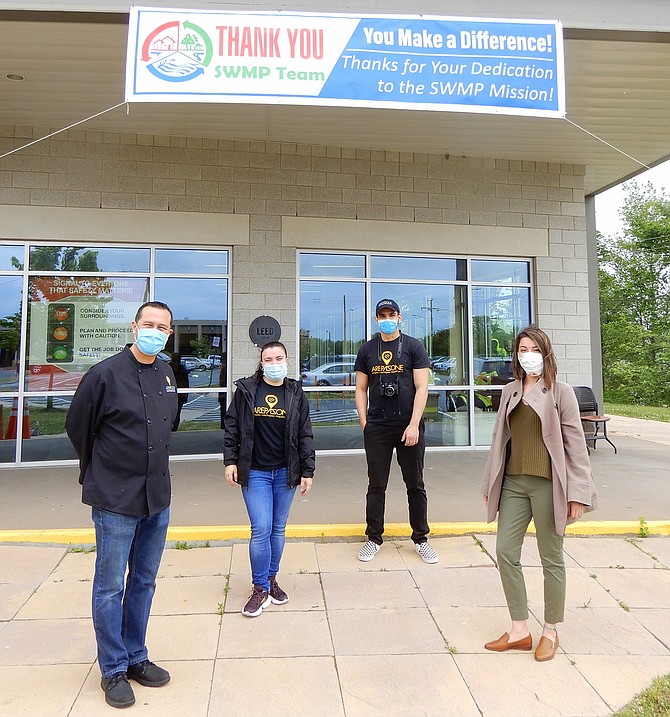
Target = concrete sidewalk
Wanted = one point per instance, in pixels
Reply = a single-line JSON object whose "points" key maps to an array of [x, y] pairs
{"points": [[393, 637], [390, 637]]}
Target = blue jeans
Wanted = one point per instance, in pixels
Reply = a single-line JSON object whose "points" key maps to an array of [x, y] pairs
{"points": [[268, 499], [121, 612]]}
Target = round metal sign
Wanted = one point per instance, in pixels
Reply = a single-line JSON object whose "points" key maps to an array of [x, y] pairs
{"points": [[264, 329]]}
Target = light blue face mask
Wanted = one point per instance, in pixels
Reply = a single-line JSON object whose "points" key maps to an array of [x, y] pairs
{"points": [[388, 326], [275, 371], [150, 341]]}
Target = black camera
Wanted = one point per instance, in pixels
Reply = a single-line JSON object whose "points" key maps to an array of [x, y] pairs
{"points": [[388, 388]]}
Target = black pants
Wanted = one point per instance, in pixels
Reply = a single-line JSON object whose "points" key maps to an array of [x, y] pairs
{"points": [[380, 440]]}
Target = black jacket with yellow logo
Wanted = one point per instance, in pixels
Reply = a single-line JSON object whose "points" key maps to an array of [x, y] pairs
{"points": [[239, 431]]}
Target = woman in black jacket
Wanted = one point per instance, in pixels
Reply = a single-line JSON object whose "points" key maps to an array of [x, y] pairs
{"points": [[269, 451]]}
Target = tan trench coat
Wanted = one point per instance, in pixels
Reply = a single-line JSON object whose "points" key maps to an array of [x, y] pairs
{"points": [[564, 438]]}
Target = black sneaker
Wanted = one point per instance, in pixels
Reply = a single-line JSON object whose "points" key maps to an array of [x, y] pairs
{"points": [[277, 595], [118, 692], [148, 674], [259, 599]]}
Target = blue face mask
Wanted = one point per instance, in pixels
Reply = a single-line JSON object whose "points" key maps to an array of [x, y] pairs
{"points": [[388, 326], [150, 341], [275, 371]]}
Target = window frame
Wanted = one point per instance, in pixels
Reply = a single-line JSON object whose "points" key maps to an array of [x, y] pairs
{"points": [[468, 386], [27, 273]]}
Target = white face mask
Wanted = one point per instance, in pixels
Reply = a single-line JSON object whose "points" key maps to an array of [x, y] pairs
{"points": [[531, 361], [275, 371]]}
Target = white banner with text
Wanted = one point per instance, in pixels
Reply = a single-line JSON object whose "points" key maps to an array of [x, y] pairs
{"points": [[426, 63]]}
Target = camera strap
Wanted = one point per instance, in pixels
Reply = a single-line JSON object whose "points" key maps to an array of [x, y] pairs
{"points": [[379, 347]]}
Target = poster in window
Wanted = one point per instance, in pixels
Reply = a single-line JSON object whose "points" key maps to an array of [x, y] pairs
{"points": [[75, 322]]}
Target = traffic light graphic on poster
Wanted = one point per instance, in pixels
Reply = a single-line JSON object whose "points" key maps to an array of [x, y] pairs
{"points": [[60, 333]]}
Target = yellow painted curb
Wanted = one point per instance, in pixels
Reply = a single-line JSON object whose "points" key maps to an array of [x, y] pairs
{"points": [[61, 536], [76, 536], [619, 527]]}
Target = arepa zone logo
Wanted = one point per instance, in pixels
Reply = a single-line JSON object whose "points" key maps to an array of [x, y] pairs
{"points": [[177, 52]]}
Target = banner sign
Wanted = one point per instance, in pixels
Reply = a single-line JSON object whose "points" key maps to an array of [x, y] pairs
{"points": [[425, 63]]}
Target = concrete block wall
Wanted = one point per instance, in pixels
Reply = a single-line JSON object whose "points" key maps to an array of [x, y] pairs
{"points": [[95, 169]]}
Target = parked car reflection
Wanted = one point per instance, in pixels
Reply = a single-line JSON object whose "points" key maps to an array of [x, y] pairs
{"points": [[495, 371], [496, 367], [191, 363], [330, 374], [443, 363]]}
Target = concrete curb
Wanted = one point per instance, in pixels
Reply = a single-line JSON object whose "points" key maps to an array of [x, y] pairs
{"points": [[86, 536]]}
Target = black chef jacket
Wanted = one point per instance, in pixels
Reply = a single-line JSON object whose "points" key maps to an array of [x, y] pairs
{"points": [[120, 424]]}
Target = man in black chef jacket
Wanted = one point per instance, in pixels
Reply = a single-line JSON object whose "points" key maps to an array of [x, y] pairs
{"points": [[120, 424]]}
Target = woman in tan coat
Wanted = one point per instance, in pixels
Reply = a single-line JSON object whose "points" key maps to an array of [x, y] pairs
{"points": [[538, 468]]}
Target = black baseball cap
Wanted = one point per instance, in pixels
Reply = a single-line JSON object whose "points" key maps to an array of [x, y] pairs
{"points": [[387, 304]]}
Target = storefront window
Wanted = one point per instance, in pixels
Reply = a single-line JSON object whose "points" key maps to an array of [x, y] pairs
{"points": [[45, 424], [191, 261], [426, 268], [446, 418], [334, 420], [9, 408], [199, 355], [333, 265], [11, 286], [77, 258], [508, 272], [10, 331], [76, 322], [466, 313], [11, 257], [332, 329], [436, 315], [81, 301], [498, 314], [200, 424]]}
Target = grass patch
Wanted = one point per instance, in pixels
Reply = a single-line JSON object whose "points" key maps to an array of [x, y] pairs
{"points": [[649, 413], [199, 426], [653, 702], [48, 421]]}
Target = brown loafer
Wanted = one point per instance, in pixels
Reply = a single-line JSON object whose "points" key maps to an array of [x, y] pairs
{"points": [[503, 644], [545, 650]]}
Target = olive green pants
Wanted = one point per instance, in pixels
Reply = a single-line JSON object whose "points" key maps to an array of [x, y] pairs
{"points": [[523, 498]]}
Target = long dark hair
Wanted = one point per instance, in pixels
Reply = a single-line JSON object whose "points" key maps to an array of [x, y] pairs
{"points": [[268, 345], [541, 340]]}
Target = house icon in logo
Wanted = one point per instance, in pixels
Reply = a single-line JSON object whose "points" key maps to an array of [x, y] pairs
{"points": [[177, 52]]}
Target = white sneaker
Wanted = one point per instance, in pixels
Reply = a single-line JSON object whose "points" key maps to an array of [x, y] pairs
{"points": [[368, 551], [428, 555]]}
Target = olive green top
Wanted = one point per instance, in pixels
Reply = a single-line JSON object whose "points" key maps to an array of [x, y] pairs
{"points": [[528, 455]]}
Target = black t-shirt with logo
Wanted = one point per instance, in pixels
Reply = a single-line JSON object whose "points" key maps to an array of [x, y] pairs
{"points": [[385, 369], [269, 427]]}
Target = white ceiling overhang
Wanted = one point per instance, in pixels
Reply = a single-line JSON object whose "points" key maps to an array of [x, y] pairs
{"points": [[617, 87]]}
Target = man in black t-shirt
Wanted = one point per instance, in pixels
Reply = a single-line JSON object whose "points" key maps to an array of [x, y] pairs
{"points": [[391, 392]]}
